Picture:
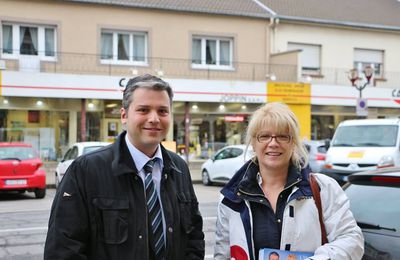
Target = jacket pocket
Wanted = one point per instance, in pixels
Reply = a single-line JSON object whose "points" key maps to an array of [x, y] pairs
{"points": [[185, 212], [114, 218]]}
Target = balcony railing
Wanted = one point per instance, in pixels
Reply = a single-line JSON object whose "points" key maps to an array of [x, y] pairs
{"points": [[339, 76], [77, 63], [90, 64]]}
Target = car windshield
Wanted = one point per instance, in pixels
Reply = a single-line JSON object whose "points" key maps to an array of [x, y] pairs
{"points": [[366, 135], [375, 207], [321, 149], [90, 149], [17, 152]]}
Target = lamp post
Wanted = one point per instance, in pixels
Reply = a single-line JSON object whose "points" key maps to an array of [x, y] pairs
{"points": [[354, 77]]}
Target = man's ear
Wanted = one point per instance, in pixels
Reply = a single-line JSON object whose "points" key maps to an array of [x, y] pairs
{"points": [[124, 115]]}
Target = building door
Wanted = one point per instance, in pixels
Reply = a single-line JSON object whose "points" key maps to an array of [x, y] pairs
{"points": [[112, 128]]}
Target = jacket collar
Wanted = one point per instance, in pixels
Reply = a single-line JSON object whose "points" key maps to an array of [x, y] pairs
{"points": [[123, 162], [246, 180]]}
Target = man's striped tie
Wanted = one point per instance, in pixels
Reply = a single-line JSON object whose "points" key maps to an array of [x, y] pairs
{"points": [[154, 211]]}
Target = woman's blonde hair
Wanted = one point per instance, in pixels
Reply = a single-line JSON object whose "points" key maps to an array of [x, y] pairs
{"points": [[278, 116]]}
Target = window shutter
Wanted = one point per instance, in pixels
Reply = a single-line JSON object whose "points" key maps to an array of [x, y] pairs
{"points": [[310, 55], [368, 56]]}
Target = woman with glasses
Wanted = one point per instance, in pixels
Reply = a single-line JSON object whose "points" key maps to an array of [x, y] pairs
{"points": [[268, 204]]}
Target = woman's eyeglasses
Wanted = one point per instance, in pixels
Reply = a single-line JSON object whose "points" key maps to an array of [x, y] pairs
{"points": [[267, 138]]}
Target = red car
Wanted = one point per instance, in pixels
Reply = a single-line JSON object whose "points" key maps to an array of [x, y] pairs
{"points": [[20, 169]]}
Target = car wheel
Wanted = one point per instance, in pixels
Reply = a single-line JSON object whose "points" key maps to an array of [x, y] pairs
{"points": [[57, 180], [40, 193], [205, 177]]}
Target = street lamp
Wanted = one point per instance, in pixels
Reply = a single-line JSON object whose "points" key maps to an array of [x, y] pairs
{"points": [[354, 77]]}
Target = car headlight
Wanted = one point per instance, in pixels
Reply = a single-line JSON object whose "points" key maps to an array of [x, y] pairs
{"points": [[328, 162], [385, 161]]}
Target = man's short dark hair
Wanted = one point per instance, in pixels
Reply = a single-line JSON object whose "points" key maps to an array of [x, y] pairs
{"points": [[145, 81], [274, 253]]}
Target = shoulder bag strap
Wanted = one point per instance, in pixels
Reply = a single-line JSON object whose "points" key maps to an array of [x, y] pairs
{"points": [[317, 198]]}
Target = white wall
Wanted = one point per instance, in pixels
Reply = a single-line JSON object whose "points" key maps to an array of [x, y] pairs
{"points": [[107, 87], [338, 43]]}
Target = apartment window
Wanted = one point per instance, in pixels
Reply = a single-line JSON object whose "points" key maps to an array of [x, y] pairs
{"points": [[21, 39], [212, 53], [366, 57], [124, 47], [310, 57]]}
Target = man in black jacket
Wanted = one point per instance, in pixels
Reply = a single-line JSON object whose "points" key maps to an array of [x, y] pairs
{"points": [[103, 209]]}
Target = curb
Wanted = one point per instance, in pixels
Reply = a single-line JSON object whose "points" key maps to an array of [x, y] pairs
{"points": [[50, 186]]}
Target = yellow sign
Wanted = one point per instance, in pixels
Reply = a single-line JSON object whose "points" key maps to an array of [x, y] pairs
{"points": [[298, 97], [289, 92], [356, 154]]}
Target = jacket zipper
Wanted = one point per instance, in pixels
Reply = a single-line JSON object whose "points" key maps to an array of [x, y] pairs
{"points": [[258, 194], [251, 219], [251, 228]]}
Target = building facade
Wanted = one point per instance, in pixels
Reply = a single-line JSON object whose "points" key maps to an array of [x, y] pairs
{"points": [[328, 39], [63, 65]]}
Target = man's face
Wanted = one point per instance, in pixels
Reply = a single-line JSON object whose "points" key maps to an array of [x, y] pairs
{"points": [[147, 119], [273, 257]]}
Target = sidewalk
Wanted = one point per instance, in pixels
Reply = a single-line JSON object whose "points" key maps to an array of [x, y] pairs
{"points": [[50, 168]]}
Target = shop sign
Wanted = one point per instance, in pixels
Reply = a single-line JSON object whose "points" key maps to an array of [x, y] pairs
{"points": [[239, 99], [197, 121], [112, 112], [289, 93], [234, 118], [122, 82], [396, 94]]}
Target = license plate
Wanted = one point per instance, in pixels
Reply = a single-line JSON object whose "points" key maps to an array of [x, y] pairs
{"points": [[16, 182]]}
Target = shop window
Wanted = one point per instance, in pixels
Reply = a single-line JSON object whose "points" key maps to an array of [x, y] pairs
{"points": [[33, 116], [220, 130], [322, 127], [123, 47], [212, 53], [93, 123], [31, 40], [310, 57], [366, 57]]}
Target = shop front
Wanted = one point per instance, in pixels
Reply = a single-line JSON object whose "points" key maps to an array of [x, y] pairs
{"points": [[53, 111], [51, 125], [211, 126]]}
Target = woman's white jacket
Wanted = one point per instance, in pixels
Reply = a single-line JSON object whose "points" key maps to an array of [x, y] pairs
{"points": [[300, 228]]}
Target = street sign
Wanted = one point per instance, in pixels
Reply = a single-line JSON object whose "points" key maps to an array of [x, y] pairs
{"points": [[362, 107]]}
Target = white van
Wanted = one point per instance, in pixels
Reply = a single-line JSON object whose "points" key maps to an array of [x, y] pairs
{"points": [[360, 145]]}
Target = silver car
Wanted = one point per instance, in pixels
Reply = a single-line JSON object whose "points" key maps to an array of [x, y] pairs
{"points": [[225, 163], [317, 153], [72, 153]]}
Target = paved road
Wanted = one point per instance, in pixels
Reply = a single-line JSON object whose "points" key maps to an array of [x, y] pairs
{"points": [[23, 222]]}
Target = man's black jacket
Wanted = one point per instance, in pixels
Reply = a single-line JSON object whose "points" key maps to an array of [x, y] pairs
{"points": [[99, 211]]}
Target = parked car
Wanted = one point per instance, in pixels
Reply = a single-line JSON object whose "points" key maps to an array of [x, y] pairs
{"points": [[20, 169], [362, 145], [375, 203], [317, 152], [225, 163], [72, 153], [211, 149]]}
